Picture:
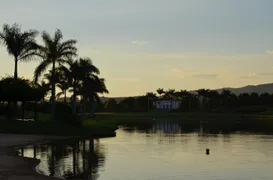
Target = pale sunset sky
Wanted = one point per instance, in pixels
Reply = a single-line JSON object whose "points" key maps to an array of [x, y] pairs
{"points": [[142, 45]]}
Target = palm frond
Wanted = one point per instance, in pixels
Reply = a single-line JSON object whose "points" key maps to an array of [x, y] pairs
{"points": [[67, 45], [58, 36], [40, 69], [47, 40], [59, 94]]}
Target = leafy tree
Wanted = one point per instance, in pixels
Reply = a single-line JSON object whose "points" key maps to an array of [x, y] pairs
{"points": [[151, 99], [111, 105], [226, 95], [254, 98], [244, 99], [54, 52], [141, 103], [20, 90], [213, 98], [265, 99], [203, 96], [127, 104]]}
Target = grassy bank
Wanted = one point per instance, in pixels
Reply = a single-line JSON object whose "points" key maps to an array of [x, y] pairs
{"points": [[105, 124], [55, 128], [257, 122]]}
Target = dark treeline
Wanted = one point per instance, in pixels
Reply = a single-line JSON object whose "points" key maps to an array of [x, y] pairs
{"points": [[202, 99], [61, 73]]}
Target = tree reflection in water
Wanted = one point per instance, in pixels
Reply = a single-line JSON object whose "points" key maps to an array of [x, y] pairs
{"points": [[69, 159]]}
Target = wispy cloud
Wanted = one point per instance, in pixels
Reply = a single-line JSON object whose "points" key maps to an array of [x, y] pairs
{"points": [[128, 79], [249, 76], [140, 42], [269, 51], [265, 74], [190, 73], [177, 70], [256, 75], [207, 76]]}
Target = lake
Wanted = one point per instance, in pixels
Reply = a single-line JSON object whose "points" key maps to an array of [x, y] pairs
{"points": [[159, 152]]}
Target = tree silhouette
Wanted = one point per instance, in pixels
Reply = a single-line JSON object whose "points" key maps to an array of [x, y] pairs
{"points": [[203, 96], [111, 105], [151, 98], [90, 88], [21, 45], [170, 94], [226, 95], [63, 83], [160, 92], [54, 52], [73, 74]]}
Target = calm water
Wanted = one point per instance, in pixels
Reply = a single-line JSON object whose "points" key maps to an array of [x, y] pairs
{"points": [[161, 152]]}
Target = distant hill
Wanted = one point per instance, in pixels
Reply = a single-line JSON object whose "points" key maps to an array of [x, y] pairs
{"points": [[118, 99], [261, 88]]}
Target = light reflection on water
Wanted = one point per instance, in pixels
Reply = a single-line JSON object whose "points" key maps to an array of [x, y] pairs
{"points": [[162, 152]]}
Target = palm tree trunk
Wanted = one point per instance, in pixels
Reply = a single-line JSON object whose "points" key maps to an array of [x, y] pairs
{"points": [[92, 107], [84, 104], [64, 96], [16, 68], [23, 110], [14, 113], [53, 91], [35, 111], [74, 108]]}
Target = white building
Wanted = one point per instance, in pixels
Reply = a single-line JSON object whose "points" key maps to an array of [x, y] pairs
{"points": [[167, 104]]}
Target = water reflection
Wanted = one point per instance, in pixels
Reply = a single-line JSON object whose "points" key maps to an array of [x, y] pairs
{"points": [[202, 128], [167, 150], [69, 159]]}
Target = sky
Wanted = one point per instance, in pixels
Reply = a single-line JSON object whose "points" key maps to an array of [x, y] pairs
{"points": [[143, 45]]}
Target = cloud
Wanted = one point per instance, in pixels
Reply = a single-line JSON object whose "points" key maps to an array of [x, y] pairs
{"points": [[256, 75], [249, 76], [269, 51], [190, 73], [265, 74], [207, 76], [140, 42], [129, 79], [177, 70]]}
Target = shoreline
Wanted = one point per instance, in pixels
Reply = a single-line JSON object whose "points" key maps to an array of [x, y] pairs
{"points": [[14, 167]]}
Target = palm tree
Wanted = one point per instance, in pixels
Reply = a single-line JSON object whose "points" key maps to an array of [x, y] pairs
{"points": [[160, 91], [170, 94], [79, 71], [73, 73], [184, 96], [63, 86], [54, 52], [46, 88], [21, 45], [91, 84], [91, 87], [63, 83]]}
